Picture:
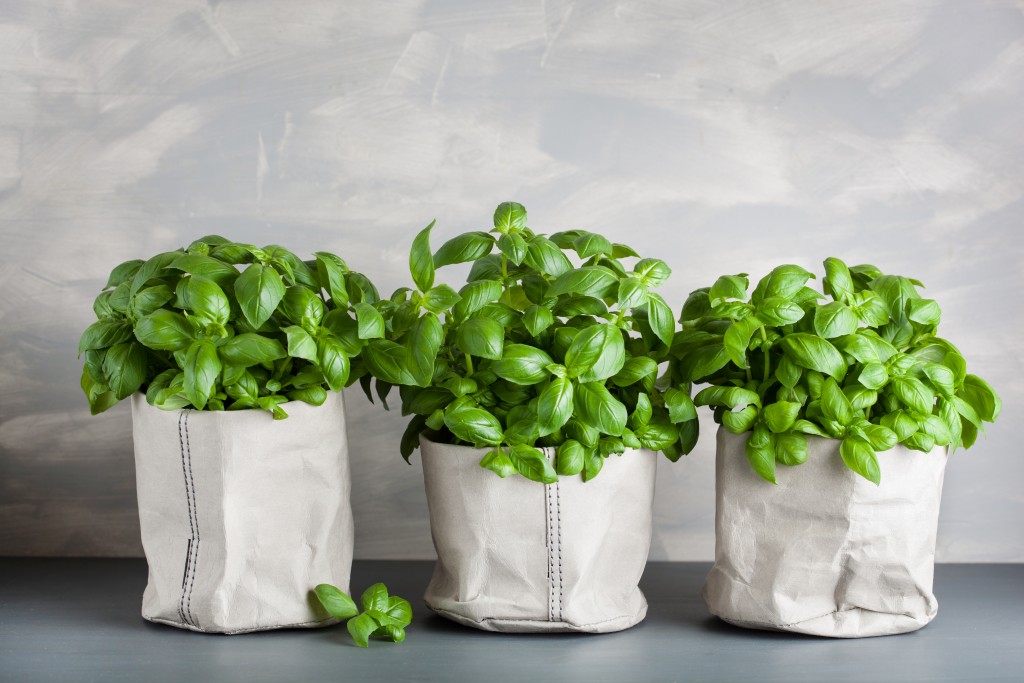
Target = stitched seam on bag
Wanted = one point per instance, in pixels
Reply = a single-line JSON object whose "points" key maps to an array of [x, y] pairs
{"points": [[548, 542], [191, 526], [195, 505], [561, 582]]}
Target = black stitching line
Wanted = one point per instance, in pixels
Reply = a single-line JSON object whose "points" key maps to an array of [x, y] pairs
{"points": [[549, 541], [561, 581], [195, 560], [188, 502]]}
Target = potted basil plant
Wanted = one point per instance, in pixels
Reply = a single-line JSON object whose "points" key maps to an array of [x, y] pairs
{"points": [[537, 406], [856, 388], [233, 356]]}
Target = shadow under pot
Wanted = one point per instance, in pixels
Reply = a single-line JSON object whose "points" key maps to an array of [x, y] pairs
{"points": [[242, 515], [518, 556], [825, 552]]}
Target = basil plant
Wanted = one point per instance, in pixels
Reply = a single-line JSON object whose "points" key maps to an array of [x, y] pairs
{"points": [[226, 326], [534, 351], [862, 363]]}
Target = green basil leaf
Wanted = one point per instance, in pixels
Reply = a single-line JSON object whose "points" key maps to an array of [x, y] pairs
{"points": [[150, 299], [913, 393], [597, 353], [873, 376], [497, 461], [513, 246], [634, 370], [201, 368], [726, 396], [866, 348], [790, 449], [591, 244], [259, 290], [425, 338], [337, 604], [214, 269], [880, 437], [388, 361], [370, 321], [464, 248], [509, 216], [554, 405], [740, 421], [473, 425], [787, 372], [728, 287], [595, 406], [980, 396], [149, 270], [659, 316], [522, 364], [814, 353], [777, 311], [643, 413], [901, 423], [303, 307], [784, 281], [124, 367], [123, 272], [544, 256], [760, 453], [593, 461], [658, 434], [859, 456], [333, 361], [737, 339], [834, 403], [590, 281], [531, 463], [300, 343], [652, 272], [834, 319], [537, 319], [680, 406], [703, 362], [570, 458], [440, 298], [896, 292], [838, 282], [207, 300], [421, 263], [331, 271], [361, 628], [632, 293], [103, 334], [475, 296], [245, 350], [780, 416], [481, 337]]}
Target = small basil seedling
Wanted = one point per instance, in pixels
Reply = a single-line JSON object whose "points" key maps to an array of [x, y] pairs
{"points": [[384, 616]]}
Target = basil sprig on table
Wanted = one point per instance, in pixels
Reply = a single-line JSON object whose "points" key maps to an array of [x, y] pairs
{"points": [[863, 365], [384, 616], [533, 351], [226, 326]]}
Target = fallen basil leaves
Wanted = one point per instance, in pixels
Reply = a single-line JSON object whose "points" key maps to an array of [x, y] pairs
{"points": [[384, 616], [866, 368]]}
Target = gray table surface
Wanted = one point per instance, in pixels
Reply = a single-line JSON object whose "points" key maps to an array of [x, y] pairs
{"points": [[78, 620]]}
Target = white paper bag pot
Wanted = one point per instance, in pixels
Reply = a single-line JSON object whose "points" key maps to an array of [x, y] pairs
{"points": [[518, 556], [825, 552], [242, 515]]}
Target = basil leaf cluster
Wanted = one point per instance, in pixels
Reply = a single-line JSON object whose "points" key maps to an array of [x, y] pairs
{"points": [[226, 326], [861, 363], [534, 350], [384, 616]]}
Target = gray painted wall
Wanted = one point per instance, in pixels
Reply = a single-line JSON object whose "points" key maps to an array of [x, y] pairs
{"points": [[720, 136]]}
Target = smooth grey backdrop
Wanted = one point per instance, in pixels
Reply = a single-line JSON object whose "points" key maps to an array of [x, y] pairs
{"points": [[720, 136]]}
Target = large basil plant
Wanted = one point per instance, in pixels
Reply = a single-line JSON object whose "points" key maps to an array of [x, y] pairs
{"points": [[863, 364], [533, 351], [226, 326]]}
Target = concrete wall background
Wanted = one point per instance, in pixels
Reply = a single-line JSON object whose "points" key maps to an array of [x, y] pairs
{"points": [[720, 136]]}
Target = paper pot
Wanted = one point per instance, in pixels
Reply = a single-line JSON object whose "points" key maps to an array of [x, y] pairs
{"points": [[825, 552], [518, 556], [242, 515]]}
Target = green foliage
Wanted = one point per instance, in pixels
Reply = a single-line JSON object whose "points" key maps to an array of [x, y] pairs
{"points": [[865, 367], [227, 326], [553, 342], [383, 616]]}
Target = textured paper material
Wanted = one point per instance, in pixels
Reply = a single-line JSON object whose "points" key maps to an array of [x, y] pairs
{"points": [[242, 515], [825, 552], [518, 556]]}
